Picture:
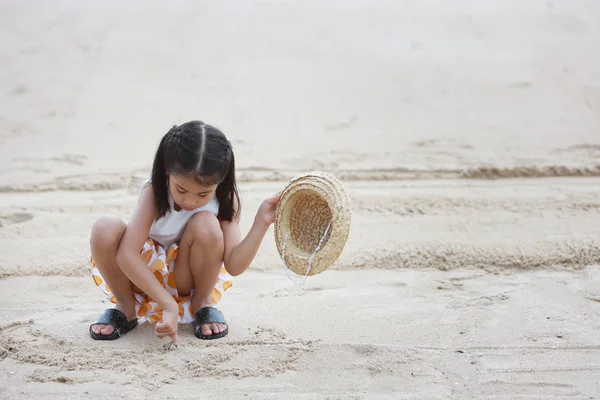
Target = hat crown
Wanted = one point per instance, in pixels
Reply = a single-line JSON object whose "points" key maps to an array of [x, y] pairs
{"points": [[309, 205]]}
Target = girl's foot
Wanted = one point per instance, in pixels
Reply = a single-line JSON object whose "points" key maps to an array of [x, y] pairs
{"points": [[107, 330], [209, 329], [209, 323]]}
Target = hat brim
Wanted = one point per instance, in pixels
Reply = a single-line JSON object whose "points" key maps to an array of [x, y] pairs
{"points": [[314, 209]]}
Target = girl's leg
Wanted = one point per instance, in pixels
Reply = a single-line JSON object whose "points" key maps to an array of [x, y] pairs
{"points": [[199, 260], [104, 242]]}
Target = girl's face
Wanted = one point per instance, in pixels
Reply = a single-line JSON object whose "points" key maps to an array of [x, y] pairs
{"points": [[189, 194]]}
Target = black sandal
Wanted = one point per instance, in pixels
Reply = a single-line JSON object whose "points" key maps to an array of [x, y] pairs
{"points": [[117, 320], [208, 315]]}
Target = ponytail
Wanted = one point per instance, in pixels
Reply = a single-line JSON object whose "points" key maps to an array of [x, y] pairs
{"points": [[227, 192], [160, 184]]}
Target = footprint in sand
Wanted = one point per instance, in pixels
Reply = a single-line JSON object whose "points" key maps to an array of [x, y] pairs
{"points": [[19, 90], [340, 126], [14, 218]]}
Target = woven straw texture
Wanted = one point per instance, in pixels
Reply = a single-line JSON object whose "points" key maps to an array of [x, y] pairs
{"points": [[308, 204]]}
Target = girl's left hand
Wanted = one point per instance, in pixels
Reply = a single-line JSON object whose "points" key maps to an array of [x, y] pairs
{"points": [[266, 211]]}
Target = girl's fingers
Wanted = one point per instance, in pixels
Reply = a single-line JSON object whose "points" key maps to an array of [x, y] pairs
{"points": [[274, 199], [163, 328], [164, 333], [161, 335]]}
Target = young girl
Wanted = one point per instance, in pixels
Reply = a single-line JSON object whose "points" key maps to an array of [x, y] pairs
{"points": [[175, 258]]}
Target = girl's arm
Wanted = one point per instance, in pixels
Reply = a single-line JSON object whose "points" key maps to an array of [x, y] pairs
{"points": [[240, 253], [128, 254]]}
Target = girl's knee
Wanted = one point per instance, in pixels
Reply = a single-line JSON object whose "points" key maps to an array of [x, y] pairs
{"points": [[107, 231], [204, 228]]}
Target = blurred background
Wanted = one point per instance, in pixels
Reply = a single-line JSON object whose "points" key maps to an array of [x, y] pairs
{"points": [[367, 89]]}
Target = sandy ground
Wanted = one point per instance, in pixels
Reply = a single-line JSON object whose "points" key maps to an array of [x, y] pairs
{"points": [[467, 134], [344, 335]]}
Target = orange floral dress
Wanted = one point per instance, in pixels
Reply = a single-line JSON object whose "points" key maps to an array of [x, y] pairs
{"points": [[161, 262]]}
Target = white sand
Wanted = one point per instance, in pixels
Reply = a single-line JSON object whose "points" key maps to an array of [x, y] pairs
{"points": [[453, 286]]}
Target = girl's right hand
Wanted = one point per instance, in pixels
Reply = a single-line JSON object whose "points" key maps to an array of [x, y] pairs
{"points": [[168, 326]]}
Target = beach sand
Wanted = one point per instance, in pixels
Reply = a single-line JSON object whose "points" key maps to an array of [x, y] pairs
{"points": [[467, 135]]}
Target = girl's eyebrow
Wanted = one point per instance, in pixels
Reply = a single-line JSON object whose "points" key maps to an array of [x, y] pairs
{"points": [[184, 190]]}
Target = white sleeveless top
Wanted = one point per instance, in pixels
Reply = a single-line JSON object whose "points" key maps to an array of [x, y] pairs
{"points": [[169, 228]]}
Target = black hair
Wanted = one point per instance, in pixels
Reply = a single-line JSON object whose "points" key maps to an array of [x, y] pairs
{"points": [[203, 153]]}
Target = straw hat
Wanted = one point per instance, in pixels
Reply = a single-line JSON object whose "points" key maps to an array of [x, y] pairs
{"points": [[312, 222]]}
